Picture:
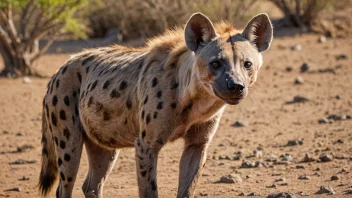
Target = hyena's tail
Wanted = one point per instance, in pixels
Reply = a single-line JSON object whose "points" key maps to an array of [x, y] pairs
{"points": [[49, 169]]}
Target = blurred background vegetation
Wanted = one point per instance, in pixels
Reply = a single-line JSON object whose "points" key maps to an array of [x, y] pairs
{"points": [[23, 23]]}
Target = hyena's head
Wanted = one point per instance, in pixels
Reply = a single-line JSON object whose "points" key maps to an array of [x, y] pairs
{"points": [[228, 60]]}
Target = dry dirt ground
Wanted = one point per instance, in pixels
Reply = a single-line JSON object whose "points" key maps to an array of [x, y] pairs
{"points": [[280, 132]]}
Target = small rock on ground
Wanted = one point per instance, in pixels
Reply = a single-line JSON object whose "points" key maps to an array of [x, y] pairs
{"points": [[230, 179], [326, 190], [299, 80], [326, 158], [16, 189], [281, 195], [334, 177], [306, 67], [27, 80], [240, 123], [304, 177]]}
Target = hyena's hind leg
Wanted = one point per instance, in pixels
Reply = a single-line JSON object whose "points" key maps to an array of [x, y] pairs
{"points": [[101, 162], [68, 149]]}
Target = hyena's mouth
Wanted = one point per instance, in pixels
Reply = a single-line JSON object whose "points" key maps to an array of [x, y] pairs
{"points": [[231, 101]]}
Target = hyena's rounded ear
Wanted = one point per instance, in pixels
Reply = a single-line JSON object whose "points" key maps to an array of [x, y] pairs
{"points": [[199, 29], [259, 31]]}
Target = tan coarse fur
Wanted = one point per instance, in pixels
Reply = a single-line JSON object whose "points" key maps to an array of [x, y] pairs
{"points": [[116, 97]]}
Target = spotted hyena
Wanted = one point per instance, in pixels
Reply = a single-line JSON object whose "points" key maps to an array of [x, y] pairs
{"points": [[116, 97]]}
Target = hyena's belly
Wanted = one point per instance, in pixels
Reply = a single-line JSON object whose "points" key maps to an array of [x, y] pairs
{"points": [[110, 121]]}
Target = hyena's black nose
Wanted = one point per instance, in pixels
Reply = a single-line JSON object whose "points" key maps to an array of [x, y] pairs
{"points": [[233, 86]]}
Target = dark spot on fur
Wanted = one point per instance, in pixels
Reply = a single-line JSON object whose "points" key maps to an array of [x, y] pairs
{"points": [[45, 151], [64, 69], [67, 157], [94, 85], [47, 110], [126, 121], [129, 103], [150, 169], [141, 167], [67, 100], [62, 144], [54, 100], [174, 86], [114, 94], [145, 100], [188, 107], [79, 77], [67, 132], [173, 105], [139, 157], [159, 94], [142, 115], [62, 115], [62, 176], [160, 105], [106, 116], [154, 82], [87, 69], [56, 141], [76, 111], [99, 107], [147, 118], [90, 101], [57, 83], [143, 134], [53, 119], [73, 119], [143, 173], [155, 115], [59, 161], [123, 85], [87, 60], [74, 94], [153, 184], [69, 179], [160, 141], [106, 84]]}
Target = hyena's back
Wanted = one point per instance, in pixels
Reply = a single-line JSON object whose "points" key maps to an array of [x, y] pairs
{"points": [[94, 94]]}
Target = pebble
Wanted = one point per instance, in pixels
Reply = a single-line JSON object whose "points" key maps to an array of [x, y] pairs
{"points": [[241, 194], [240, 123], [250, 164], [341, 57], [284, 184], [271, 186], [19, 134], [325, 121], [306, 67], [16, 189], [27, 80], [253, 194], [338, 97], [298, 99], [304, 177], [5, 132], [325, 190], [224, 157], [294, 142], [326, 158], [20, 161], [334, 177], [299, 80], [322, 39], [281, 195], [297, 47], [203, 194], [289, 69], [24, 178], [230, 179], [280, 180], [299, 167]]}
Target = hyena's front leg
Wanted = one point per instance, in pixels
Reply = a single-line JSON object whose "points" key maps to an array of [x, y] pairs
{"points": [[194, 156], [147, 150]]}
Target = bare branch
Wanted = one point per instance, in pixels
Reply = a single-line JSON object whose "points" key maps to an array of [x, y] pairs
{"points": [[26, 15], [43, 50]]}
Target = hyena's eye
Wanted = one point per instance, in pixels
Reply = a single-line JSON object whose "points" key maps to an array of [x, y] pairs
{"points": [[215, 64], [247, 65]]}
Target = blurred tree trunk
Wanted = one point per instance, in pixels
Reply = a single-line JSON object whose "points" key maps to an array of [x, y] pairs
{"points": [[19, 45]]}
